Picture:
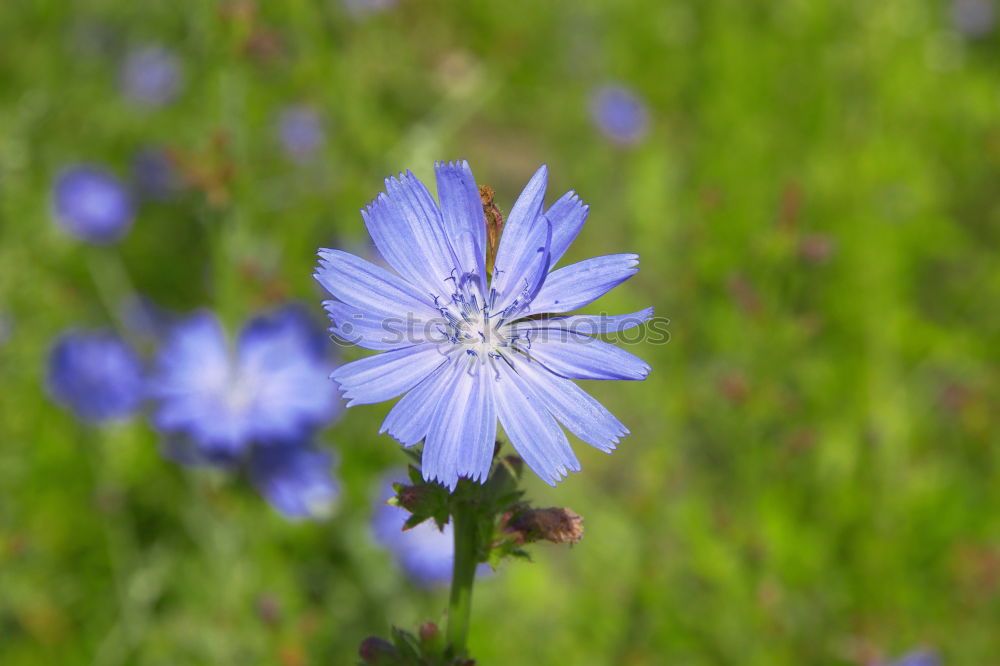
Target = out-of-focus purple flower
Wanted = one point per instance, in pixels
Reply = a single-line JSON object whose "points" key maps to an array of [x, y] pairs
{"points": [[300, 132], [973, 18], [361, 7], [153, 175], [151, 76], [295, 479], [91, 204], [6, 327], [272, 388], [97, 375], [918, 658], [424, 552], [619, 113]]}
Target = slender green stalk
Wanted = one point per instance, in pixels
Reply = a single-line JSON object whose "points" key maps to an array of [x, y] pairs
{"points": [[463, 576]]}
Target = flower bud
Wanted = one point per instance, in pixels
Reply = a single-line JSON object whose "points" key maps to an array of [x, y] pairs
{"points": [[378, 652], [494, 225], [555, 524], [428, 631]]}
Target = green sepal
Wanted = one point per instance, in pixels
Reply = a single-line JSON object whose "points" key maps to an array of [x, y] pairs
{"points": [[407, 644]]}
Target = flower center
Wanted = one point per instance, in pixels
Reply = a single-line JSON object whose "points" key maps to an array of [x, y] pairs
{"points": [[239, 395], [478, 336]]}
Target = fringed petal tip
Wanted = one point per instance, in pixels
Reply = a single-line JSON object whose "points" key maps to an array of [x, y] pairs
{"points": [[451, 482], [402, 441], [400, 180], [453, 164], [558, 474]]}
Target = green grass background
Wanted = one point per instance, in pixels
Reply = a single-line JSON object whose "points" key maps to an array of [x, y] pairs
{"points": [[812, 477]]}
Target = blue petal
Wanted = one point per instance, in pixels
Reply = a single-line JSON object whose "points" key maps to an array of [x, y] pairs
{"points": [[462, 214], [582, 357], [367, 287], [567, 216], [531, 429], [408, 230], [374, 331], [288, 392], [578, 284], [524, 246], [384, 376], [573, 407], [462, 433], [409, 420], [295, 479], [583, 324], [190, 382], [97, 375], [919, 658]]}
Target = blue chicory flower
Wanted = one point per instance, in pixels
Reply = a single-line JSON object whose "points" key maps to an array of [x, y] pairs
{"points": [[974, 18], [153, 175], [296, 479], [918, 658], [300, 132], [96, 375], [6, 327], [620, 114], [151, 76], [360, 8], [271, 388], [467, 352], [91, 204]]}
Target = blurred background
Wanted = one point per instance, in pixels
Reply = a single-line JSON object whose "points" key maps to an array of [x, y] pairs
{"points": [[812, 475]]}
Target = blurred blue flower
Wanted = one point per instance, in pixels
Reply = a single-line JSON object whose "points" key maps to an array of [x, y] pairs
{"points": [[361, 7], [95, 374], [424, 552], [295, 479], [300, 132], [272, 388], [619, 113], [91, 204], [151, 76], [153, 175], [466, 352], [973, 18], [6, 327], [918, 658]]}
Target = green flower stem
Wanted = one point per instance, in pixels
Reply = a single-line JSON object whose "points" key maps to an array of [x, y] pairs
{"points": [[463, 575]]}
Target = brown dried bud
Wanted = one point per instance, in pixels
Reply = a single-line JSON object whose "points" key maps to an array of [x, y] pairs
{"points": [[554, 524], [817, 248], [428, 631], [494, 225], [268, 609]]}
